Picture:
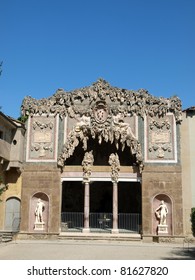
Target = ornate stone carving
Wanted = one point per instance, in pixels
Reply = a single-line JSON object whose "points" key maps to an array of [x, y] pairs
{"points": [[111, 130], [41, 140], [42, 125], [138, 103], [100, 121], [115, 167], [161, 144], [100, 112], [83, 122], [87, 164]]}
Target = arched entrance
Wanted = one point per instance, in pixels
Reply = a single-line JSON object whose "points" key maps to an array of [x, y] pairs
{"points": [[12, 214], [102, 153], [101, 190]]}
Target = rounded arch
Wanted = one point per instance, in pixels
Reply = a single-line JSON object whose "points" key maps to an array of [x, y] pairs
{"points": [[33, 203], [12, 213], [115, 136], [156, 202]]}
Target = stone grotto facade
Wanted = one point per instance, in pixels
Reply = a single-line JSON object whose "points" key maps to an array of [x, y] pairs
{"points": [[102, 159]]}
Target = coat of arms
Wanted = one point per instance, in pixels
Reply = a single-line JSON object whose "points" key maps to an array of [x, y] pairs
{"points": [[100, 112]]}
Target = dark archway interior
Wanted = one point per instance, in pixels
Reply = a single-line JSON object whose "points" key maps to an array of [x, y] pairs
{"points": [[72, 197], [129, 197], [101, 197], [101, 153]]}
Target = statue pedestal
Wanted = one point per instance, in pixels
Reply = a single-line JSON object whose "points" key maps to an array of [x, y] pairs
{"points": [[162, 229], [39, 226]]}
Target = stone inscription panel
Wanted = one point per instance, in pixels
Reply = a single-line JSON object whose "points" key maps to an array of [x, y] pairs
{"points": [[160, 139], [42, 135]]}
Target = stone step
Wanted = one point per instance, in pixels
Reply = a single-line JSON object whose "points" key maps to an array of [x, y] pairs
{"points": [[101, 236], [6, 236]]}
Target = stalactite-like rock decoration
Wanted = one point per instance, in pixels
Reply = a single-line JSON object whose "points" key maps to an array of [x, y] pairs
{"points": [[131, 102], [115, 167], [87, 164], [119, 134]]}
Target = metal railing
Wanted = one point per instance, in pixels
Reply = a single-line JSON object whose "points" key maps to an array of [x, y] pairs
{"points": [[129, 221], [100, 221], [74, 221]]}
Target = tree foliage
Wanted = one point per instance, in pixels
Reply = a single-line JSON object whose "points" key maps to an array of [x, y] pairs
{"points": [[193, 220]]}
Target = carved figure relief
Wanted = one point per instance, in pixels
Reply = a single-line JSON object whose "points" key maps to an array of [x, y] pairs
{"points": [[115, 167], [87, 164], [83, 121]]}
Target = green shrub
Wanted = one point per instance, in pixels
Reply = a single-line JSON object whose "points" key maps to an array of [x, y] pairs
{"points": [[193, 220]]}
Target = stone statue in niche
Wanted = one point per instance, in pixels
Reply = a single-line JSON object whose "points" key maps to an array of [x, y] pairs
{"points": [[40, 207], [161, 214]]}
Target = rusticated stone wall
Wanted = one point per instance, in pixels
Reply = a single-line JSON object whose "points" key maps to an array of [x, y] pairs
{"points": [[45, 179]]}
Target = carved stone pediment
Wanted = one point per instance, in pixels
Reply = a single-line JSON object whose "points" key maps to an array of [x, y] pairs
{"points": [[81, 101]]}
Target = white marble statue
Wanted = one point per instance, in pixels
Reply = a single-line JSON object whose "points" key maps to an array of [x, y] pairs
{"points": [[39, 211], [161, 213]]}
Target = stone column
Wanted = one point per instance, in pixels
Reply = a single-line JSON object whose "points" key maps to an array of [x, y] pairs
{"points": [[87, 166], [115, 208], [115, 168], [86, 207]]}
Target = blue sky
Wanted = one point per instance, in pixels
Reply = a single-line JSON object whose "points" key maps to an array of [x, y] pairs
{"points": [[51, 44]]}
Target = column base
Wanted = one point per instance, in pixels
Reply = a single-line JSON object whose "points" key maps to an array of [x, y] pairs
{"points": [[86, 230], [115, 231]]}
